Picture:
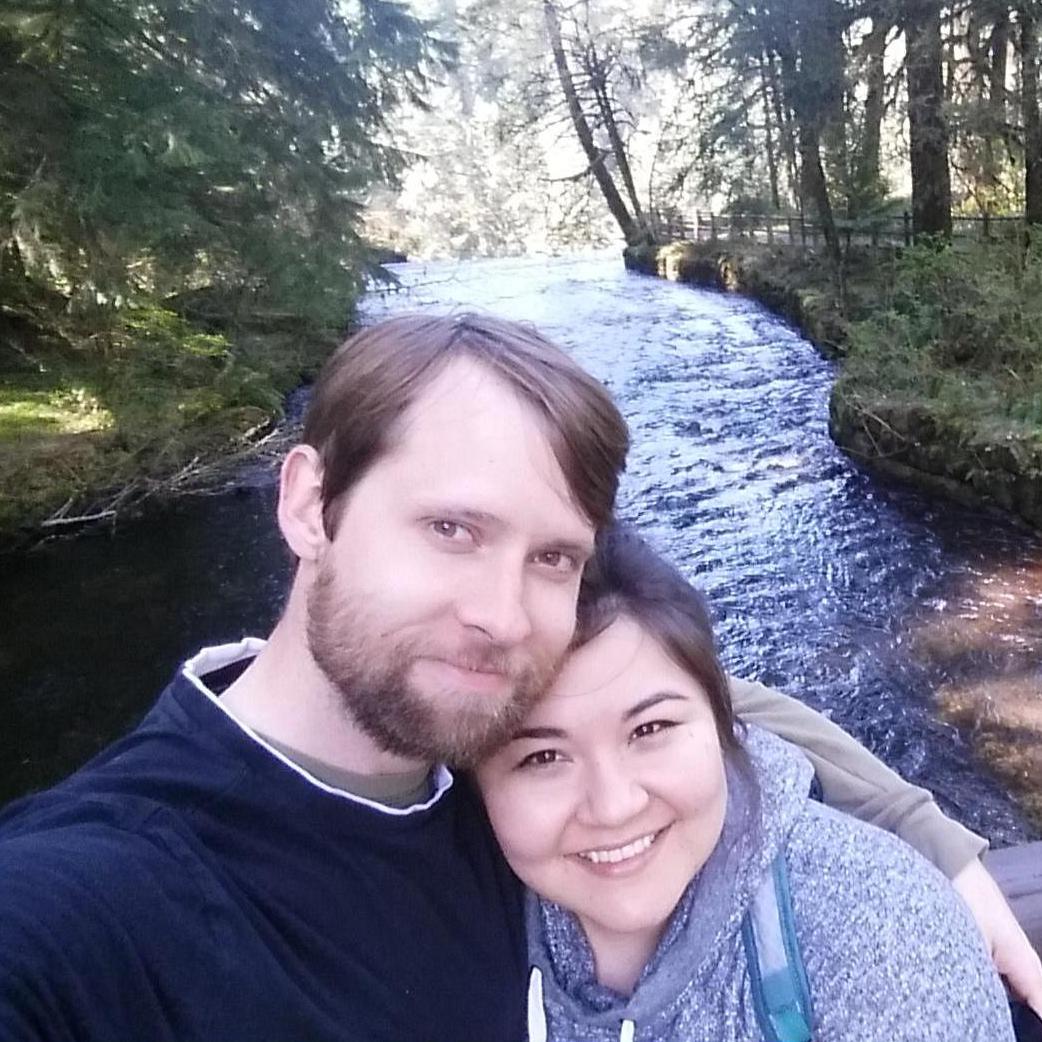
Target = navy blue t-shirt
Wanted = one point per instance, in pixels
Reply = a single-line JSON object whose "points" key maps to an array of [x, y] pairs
{"points": [[187, 885]]}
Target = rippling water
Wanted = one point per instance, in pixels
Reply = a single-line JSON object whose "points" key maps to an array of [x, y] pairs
{"points": [[823, 579], [864, 597]]}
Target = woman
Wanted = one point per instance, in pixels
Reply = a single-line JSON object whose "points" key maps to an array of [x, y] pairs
{"points": [[684, 886]]}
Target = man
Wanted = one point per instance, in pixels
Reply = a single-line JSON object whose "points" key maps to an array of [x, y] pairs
{"points": [[275, 853]]}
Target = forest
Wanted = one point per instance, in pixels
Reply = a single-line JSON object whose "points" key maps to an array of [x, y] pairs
{"points": [[193, 196], [599, 120]]}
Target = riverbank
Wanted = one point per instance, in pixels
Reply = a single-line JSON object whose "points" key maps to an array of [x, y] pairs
{"points": [[939, 383], [96, 423], [797, 287]]}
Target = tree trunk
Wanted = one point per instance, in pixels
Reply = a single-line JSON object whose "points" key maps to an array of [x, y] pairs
{"points": [[598, 80], [772, 158], [783, 121], [815, 93], [999, 45], [927, 130], [815, 192], [997, 125], [1032, 121], [875, 103], [616, 205]]}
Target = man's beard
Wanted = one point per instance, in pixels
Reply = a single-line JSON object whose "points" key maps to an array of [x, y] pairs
{"points": [[370, 672]]}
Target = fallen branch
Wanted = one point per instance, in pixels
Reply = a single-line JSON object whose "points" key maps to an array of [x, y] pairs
{"points": [[863, 415], [197, 476], [882, 423], [82, 519]]}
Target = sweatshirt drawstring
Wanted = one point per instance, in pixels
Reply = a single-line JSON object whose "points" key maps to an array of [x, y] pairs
{"points": [[536, 1013]]}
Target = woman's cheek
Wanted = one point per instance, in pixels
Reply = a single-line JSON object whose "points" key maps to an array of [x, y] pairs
{"points": [[527, 822]]}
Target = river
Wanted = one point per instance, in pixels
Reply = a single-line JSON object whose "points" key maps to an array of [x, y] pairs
{"points": [[870, 600]]}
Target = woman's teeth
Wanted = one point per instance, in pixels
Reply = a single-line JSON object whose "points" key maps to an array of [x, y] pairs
{"points": [[617, 854]]}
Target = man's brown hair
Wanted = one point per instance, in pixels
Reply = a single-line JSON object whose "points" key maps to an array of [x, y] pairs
{"points": [[377, 374]]}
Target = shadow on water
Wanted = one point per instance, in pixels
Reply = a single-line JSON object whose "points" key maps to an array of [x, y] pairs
{"points": [[874, 603], [94, 627]]}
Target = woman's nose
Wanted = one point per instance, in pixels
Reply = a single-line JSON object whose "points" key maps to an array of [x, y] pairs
{"points": [[614, 795]]}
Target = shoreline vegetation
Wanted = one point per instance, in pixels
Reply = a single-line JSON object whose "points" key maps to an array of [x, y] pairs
{"points": [[939, 383], [940, 351], [99, 420]]}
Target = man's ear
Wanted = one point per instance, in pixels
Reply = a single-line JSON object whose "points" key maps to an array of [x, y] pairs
{"points": [[300, 503]]}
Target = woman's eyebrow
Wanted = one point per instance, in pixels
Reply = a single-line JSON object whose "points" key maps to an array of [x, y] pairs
{"points": [[653, 700]]}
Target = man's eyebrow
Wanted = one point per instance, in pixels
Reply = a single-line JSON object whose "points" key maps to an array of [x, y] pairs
{"points": [[475, 517], [580, 549], [538, 732], [653, 700]]}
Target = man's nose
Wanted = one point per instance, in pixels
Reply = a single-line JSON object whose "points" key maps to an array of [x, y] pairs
{"points": [[494, 602], [614, 793]]}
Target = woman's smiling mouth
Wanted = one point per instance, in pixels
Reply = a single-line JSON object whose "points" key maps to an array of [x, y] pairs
{"points": [[609, 857]]}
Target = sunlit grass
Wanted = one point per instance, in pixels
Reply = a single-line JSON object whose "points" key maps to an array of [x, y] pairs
{"points": [[68, 410]]}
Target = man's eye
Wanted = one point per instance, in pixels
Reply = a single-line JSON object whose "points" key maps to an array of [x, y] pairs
{"points": [[450, 530], [652, 727], [541, 758], [556, 560]]}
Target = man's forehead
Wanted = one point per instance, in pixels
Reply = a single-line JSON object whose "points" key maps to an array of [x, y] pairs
{"points": [[462, 387], [473, 443]]}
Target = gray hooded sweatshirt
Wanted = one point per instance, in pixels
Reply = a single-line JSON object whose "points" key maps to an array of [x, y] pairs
{"points": [[890, 950]]}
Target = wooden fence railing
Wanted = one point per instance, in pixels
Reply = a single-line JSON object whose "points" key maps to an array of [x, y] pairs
{"points": [[801, 230]]}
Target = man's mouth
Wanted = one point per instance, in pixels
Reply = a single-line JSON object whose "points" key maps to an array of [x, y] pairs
{"points": [[617, 855], [470, 674], [482, 668]]}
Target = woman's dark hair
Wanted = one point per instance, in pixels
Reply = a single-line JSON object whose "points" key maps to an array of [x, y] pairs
{"points": [[626, 577]]}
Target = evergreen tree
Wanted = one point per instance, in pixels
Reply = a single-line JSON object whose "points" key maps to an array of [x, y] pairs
{"points": [[149, 148]]}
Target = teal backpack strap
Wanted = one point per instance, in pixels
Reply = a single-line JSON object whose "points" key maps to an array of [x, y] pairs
{"points": [[781, 994]]}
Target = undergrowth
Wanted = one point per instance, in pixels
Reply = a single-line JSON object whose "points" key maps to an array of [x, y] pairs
{"points": [[91, 403], [960, 329]]}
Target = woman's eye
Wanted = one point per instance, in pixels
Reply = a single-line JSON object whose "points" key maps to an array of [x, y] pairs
{"points": [[541, 758], [652, 727]]}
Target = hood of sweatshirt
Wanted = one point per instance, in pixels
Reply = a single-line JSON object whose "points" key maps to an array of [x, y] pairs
{"points": [[762, 805]]}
